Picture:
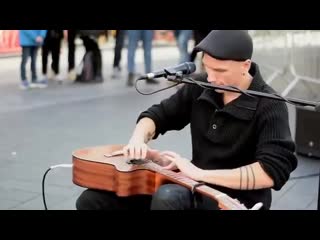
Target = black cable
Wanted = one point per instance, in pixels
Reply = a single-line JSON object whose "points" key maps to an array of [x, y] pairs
{"points": [[43, 193], [44, 177], [135, 85]]}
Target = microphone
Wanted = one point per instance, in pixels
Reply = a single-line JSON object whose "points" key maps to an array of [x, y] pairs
{"points": [[184, 68]]}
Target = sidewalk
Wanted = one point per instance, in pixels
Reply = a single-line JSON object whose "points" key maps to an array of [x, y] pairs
{"points": [[42, 127]]}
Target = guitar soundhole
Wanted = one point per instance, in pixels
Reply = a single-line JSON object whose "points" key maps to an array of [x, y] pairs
{"points": [[136, 161]]}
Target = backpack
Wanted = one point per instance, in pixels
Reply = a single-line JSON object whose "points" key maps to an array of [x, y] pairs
{"points": [[91, 68]]}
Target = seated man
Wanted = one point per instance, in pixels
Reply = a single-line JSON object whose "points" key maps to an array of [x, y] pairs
{"points": [[241, 145]]}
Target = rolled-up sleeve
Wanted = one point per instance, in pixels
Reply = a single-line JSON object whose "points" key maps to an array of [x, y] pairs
{"points": [[275, 147]]}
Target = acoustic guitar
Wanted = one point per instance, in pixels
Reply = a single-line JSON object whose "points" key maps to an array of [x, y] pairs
{"points": [[97, 168]]}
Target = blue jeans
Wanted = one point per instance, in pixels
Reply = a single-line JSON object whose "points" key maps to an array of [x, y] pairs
{"points": [[177, 197], [29, 51], [134, 36], [183, 39]]}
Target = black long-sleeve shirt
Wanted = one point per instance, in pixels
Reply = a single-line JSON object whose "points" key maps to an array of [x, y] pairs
{"points": [[229, 136]]}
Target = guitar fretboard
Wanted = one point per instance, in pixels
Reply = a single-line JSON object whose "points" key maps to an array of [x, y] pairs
{"points": [[224, 200]]}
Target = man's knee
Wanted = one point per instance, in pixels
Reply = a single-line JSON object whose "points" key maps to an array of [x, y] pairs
{"points": [[95, 200], [171, 196], [85, 201]]}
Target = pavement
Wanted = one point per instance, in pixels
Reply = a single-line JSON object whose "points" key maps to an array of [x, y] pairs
{"points": [[42, 127]]}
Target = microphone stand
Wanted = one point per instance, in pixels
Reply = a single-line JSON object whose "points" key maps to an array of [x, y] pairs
{"points": [[180, 78]]}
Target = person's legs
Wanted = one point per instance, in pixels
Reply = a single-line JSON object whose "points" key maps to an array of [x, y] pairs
{"points": [[206, 203], [177, 197], [55, 66], [120, 36], [147, 36], [55, 51], [172, 197], [104, 200], [24, 59], [183, 40], [71, 49], [133, 37], [71, 54], [33, 54], [45, 54]]}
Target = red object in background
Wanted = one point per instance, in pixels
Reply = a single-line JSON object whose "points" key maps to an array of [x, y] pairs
{"points": [[9, 42], [164, 35]]}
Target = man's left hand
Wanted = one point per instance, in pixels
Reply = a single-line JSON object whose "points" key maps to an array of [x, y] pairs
{"points": [[183, 164]]}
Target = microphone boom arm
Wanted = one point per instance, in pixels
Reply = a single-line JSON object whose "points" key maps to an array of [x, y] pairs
{"points": [[179, 78]]}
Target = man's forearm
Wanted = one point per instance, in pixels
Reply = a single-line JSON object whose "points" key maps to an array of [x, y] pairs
{"points": [[144, 130], [248, 177]]}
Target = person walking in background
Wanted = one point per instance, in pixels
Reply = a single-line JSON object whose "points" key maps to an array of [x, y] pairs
{"points": [[71, 35], [183, 37], [52, 44], [120, 37], [30, 41], [134, 36]]}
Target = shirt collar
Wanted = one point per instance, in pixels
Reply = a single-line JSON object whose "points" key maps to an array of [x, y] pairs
{"points": [[243, 107]]}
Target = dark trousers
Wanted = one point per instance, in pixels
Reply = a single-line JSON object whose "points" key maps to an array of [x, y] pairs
{"points": [[71, 49], [29, 51], [51, 46], [120, 37], [167, 197]]}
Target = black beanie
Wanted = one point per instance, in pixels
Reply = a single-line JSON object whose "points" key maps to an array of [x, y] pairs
{"points": [[234, 45]]}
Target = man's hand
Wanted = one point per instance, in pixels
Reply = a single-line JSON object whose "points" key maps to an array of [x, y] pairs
{"points": [[156, 157], [135, 150], [137, 147], [183, 164]]}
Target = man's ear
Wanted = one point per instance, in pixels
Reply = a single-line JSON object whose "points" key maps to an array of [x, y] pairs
{"points": [[247, 65]]}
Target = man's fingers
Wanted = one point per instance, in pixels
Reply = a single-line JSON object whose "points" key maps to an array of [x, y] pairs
{"points": [[144, 151], [152, 154], [171, 159], [131, 152], [169, 153], [171, 166], [137, 152], [125, 151]]}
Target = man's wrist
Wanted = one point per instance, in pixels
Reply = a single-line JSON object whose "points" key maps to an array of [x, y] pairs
{"points": [[136, 139]]}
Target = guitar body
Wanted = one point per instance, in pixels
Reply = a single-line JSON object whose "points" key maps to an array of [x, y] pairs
{"points": [[92, 169]]}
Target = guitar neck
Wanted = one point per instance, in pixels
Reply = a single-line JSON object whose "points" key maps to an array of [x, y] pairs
{"points": [[225, 202]]}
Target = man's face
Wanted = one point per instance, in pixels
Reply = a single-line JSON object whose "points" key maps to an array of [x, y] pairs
{"points": [[225, 72]]}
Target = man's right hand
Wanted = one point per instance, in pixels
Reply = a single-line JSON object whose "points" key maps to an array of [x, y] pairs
{"points": [[138, 150], [135, 150]]}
